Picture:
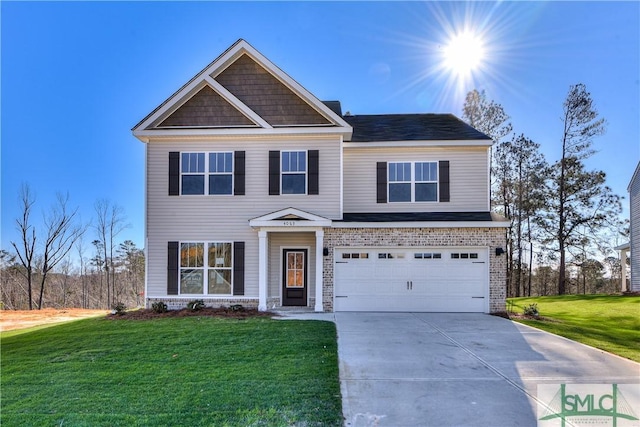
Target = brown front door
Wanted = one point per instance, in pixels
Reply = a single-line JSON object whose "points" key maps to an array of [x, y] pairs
{"points": [[294, 277]]}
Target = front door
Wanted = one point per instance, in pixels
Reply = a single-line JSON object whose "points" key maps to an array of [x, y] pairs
{"points": [[294, 277]]}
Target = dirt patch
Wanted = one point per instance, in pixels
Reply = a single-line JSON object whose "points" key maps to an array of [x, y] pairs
{"points": [[146, 314], [20, 319]]}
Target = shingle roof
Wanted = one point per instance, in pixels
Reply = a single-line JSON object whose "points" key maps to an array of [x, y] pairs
{"points": [[417, 216], [411, 127]]}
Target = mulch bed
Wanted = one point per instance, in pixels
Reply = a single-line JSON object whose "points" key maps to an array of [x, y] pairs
{"points": [[147, 314]]}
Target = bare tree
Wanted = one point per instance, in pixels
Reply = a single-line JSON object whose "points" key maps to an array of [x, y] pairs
{"points": [[62, 232], [26, 248], [109, 224]]}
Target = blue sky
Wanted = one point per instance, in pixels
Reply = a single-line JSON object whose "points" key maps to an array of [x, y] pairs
{"points": [[77, 76]]}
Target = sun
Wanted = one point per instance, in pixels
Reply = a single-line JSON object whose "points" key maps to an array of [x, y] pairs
{"points": [[464, 53]]}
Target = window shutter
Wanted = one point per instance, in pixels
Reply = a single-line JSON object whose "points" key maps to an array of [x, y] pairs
{"points": [[274, 173], [443, 180], [314, 172], [238, 173], [238, 268], [172, 268], [381, 180], [174, 173]]}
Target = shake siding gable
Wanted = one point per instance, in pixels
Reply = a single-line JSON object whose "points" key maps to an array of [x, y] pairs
{"points": [[266, 95]]}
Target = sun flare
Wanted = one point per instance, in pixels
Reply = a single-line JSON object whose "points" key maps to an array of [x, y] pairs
{"points": [[464, 53]]}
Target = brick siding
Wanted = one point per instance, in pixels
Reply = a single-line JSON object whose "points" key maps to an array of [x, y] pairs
{"points": [[421, 237]]}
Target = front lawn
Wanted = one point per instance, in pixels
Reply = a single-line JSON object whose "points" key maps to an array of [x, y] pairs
{"points": [[195, 371], [608, 322]]}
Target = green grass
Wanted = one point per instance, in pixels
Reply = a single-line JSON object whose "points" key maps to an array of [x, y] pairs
{"points": [[195, 371], [607, 322]]}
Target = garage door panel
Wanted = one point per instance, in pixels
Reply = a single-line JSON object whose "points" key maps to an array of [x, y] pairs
{"points": [[412, 279]]}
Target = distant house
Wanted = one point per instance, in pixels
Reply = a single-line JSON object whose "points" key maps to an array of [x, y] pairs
{"points": [[634, 236], [258, 193]]}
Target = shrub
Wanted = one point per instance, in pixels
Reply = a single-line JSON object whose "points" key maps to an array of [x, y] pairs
{"points": [[159, 307], [531, 310], [119, 308], [236, 307], [195, 305]]}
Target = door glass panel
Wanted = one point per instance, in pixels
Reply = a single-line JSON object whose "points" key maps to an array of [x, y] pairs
{"points": [[295, 270]]}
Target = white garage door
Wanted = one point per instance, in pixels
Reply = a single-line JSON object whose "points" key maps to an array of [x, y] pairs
{"points": [[411, 279]]}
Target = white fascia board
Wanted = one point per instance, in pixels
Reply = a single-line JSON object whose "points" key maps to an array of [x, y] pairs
{"points": [[422, 143], [305, 222], [146, 135], [270, 227], [423, 224]]}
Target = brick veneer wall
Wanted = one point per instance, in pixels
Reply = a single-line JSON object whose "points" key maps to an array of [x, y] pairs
{"points": [[421, 237], [179, 303]]}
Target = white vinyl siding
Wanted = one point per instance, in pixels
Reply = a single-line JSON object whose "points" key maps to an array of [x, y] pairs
{"points": [[178, 218], [469, 179], [634, 226]]}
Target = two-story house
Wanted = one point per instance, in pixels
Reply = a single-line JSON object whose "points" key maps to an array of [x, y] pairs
{"points": [[258, 193]]}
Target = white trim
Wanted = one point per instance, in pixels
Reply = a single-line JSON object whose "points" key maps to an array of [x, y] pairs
{"points": [[239, 105], [421, 143], [306, 222], [263, 258], [319, 282], [146, 135]]}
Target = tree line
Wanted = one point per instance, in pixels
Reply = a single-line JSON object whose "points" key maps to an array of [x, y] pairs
{"points": [[564, 219], [51, 265]]}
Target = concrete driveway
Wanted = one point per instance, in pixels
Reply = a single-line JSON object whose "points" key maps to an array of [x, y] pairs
{"points": [[441, 369]]}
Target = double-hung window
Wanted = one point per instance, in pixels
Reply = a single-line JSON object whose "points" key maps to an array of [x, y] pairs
{"points": [[220, 173], [413, 181], [193, 173], [400, 182], [294, 172], [426, 181], [206, 268], [207, 173]]}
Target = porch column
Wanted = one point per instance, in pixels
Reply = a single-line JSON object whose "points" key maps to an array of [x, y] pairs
{"points": [[262, 270], [319, 269], [623, 270]]}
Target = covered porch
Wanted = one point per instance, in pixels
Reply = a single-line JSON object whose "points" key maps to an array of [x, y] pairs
{"points": [[290, 259]]}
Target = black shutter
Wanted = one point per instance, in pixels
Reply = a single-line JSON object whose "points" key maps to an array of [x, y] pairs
{"points": [[238, 268], [381, 182], [174, 173], [314, 172], [274, 173], [172, 268], [443, 180], [238, 173]]}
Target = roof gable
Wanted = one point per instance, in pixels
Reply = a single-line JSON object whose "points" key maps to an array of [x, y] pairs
{"points": [[261, 91], [240, 88]]}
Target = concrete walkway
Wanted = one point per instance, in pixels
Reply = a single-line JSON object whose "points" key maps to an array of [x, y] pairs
{"points": [[446, 369]]}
